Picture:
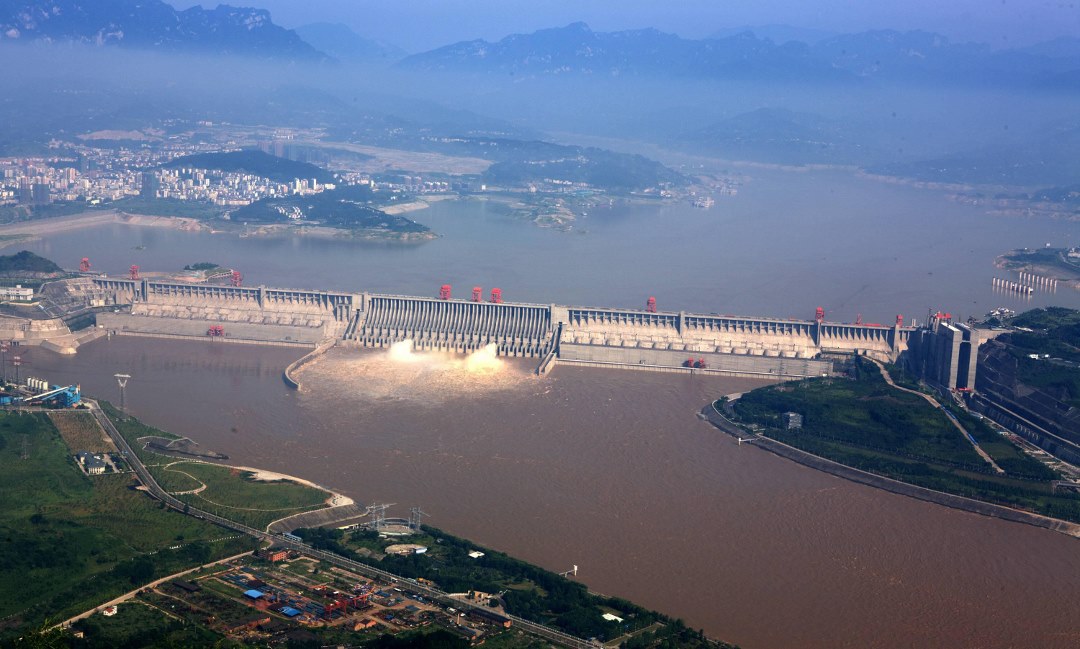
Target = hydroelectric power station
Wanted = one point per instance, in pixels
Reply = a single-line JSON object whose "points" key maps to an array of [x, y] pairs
{"points": [[648, 339]]}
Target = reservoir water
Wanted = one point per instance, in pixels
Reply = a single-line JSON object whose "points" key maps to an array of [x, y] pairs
{"points": [[612, 470], [787, 243]]}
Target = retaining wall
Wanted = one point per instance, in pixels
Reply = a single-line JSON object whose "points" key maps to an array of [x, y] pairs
{"points": [[667, 360], [125, 323]]}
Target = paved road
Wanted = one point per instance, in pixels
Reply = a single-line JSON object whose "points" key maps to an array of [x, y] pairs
{"points": [[934, 402]]}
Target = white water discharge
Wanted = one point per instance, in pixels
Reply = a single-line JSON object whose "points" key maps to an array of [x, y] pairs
{"points": [[402, 373]]}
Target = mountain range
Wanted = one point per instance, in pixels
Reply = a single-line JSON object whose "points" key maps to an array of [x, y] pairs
{"points": [[344, 44], [153, 24], [868, 56], [573, 50]]}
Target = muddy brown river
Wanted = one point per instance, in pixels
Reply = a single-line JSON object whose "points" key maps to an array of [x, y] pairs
{"points": [[612, 470]]}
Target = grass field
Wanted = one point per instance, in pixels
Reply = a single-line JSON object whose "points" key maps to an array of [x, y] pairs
{"points": [[69, 542], [235, 495], [81, 432], [230, 493], [140, 624]]}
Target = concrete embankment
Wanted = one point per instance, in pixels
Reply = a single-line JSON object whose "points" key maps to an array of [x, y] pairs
{"points": [[181, 328], [325, 517], [674, 369], [888, 484], [289, 375], [666, 360]]}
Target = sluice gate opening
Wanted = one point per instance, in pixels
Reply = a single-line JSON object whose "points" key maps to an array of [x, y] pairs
{"points": [[522, 330]]}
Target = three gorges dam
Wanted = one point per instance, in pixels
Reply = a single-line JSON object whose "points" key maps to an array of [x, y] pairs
{"points": [[649, 339]]}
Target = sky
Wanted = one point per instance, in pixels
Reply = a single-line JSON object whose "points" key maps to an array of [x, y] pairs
{"points": [[418, 25]]}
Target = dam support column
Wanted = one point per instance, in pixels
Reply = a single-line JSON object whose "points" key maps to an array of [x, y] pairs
{"points": [[819, 325], [262, 297], [680, 323]]}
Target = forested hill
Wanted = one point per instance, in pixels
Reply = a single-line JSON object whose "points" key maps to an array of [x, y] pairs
{"points": [[28, 262], [253, 162]]}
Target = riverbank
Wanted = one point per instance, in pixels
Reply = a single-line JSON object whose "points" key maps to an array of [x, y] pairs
{"points": [[15, 233], [1049, 263], [12, 234], [993, 510]]}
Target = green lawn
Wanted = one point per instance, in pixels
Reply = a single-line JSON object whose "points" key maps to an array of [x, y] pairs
{"points": [[69, 542], [865, 413], [230, 493], [235, 495]]}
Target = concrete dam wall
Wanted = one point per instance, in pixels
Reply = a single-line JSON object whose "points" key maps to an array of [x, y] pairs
{"points": [[259, 314], [697, 335], [783, 348], [523, 330]]}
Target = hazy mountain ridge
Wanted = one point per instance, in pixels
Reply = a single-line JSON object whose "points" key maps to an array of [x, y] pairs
{"points": [[576, 49], [1048, 160], [882, 54], [344, 44], [153, 24], [780, 135]]}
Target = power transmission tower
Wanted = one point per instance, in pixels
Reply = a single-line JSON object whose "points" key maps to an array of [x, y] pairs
{"points": [[414, 518], [378, 516], [122, 381]]}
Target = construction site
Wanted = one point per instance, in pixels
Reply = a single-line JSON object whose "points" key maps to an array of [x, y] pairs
{"points": [[282, 595]]}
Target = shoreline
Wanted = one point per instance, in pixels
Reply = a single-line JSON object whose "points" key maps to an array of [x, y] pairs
{"points": [[27, 231], [334, 498], [263, 475], [825, 465]]}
